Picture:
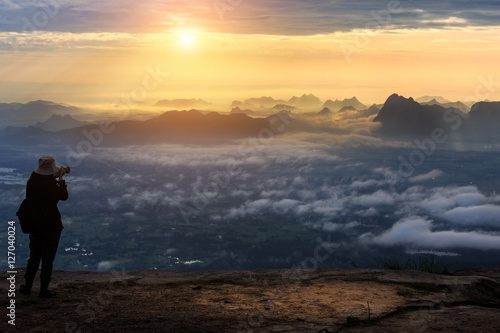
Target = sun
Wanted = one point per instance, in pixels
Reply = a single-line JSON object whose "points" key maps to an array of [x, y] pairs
{"points": [[187, 38]]}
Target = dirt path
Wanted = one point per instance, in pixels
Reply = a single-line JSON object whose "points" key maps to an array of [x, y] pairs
{"points": [[326, 300]]}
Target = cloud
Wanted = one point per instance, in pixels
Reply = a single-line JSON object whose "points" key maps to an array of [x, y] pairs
{"points": [[274, 193], [241, 193], [486, 215], [361, 184], [367, 212], [224, 157], [441, 199], [375, 199], [417, 232], [105, 266], [428, 176], [9, 177], [328, 208], [333, 227], [285, 205], [282, 206], [249, 208], [90, 16], [298, 180], [170, 251], [282, 17]]}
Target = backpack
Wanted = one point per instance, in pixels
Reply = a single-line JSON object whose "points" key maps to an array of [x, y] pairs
{"points": [[27, 216]]}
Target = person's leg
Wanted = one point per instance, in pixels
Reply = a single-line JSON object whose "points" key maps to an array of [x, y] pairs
{"points": [[49, 251], [36, 246]]}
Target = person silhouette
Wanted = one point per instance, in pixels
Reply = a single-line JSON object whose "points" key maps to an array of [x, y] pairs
{"points": [[45, 190]]}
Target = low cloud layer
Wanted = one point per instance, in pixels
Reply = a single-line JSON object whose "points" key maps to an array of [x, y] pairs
{"points": [[419, 232], [316, 182], [485, 215], [286, 177], [428, 176]]}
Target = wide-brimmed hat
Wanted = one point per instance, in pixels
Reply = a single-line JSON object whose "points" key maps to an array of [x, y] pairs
{"points": [[47, 166]]}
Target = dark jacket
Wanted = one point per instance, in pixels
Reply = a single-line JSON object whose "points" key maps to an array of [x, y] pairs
{"points": [[46, 192]]}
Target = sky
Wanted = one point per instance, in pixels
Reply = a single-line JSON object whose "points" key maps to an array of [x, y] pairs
{"points": [[93, 52]]}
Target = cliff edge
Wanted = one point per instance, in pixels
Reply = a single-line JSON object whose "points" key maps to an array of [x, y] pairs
{"points": [[322, 300]]}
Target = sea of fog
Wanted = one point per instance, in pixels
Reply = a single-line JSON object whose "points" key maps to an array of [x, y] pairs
{"points": [[292, 201]]}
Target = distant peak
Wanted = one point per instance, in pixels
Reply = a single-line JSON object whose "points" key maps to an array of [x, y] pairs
{"points": [[305, 101], [433, 99], [40, 102], [395, 98], [58, 116]]}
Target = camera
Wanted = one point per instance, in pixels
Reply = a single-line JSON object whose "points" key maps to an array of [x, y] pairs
{"points": [[62, 171]]}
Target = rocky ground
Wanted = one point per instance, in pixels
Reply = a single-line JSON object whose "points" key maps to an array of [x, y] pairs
{"points": [[324, 300]]}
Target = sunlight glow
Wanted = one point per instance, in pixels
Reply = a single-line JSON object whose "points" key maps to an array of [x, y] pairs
{"points": [[187, 38]]}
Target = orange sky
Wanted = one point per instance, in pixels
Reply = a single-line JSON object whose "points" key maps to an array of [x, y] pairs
{"points": [[96, 67]]}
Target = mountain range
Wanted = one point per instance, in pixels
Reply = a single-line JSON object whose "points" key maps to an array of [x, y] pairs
{"points": [[427, 99], [57, 123], [399, 117], [247, 111], [24, 114], [307, 102], [457, 105], [260, 102], [174, 126], [337, 105]]}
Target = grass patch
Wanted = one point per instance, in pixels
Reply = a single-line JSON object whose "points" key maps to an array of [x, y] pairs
{"points": [[424, 264]]}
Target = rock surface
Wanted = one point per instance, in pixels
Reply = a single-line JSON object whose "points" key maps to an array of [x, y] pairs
{"points": [[323, 300]]}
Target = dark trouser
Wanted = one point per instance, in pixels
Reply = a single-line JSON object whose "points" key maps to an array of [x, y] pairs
{"points": [[43, 246]]}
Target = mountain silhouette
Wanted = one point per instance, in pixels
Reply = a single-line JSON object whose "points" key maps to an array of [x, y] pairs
{"points": [[374, 109], [347, 108], [336, 105], [188, 126], [174, 126], [305, 101], [261, 102], [325, 112], [458, 105], [39, 110], [237, 104], [428, 99], [281, 107], [20, 114], [246, 111], [9, 107], [483, 123], [404, 116], [57, 123]]}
